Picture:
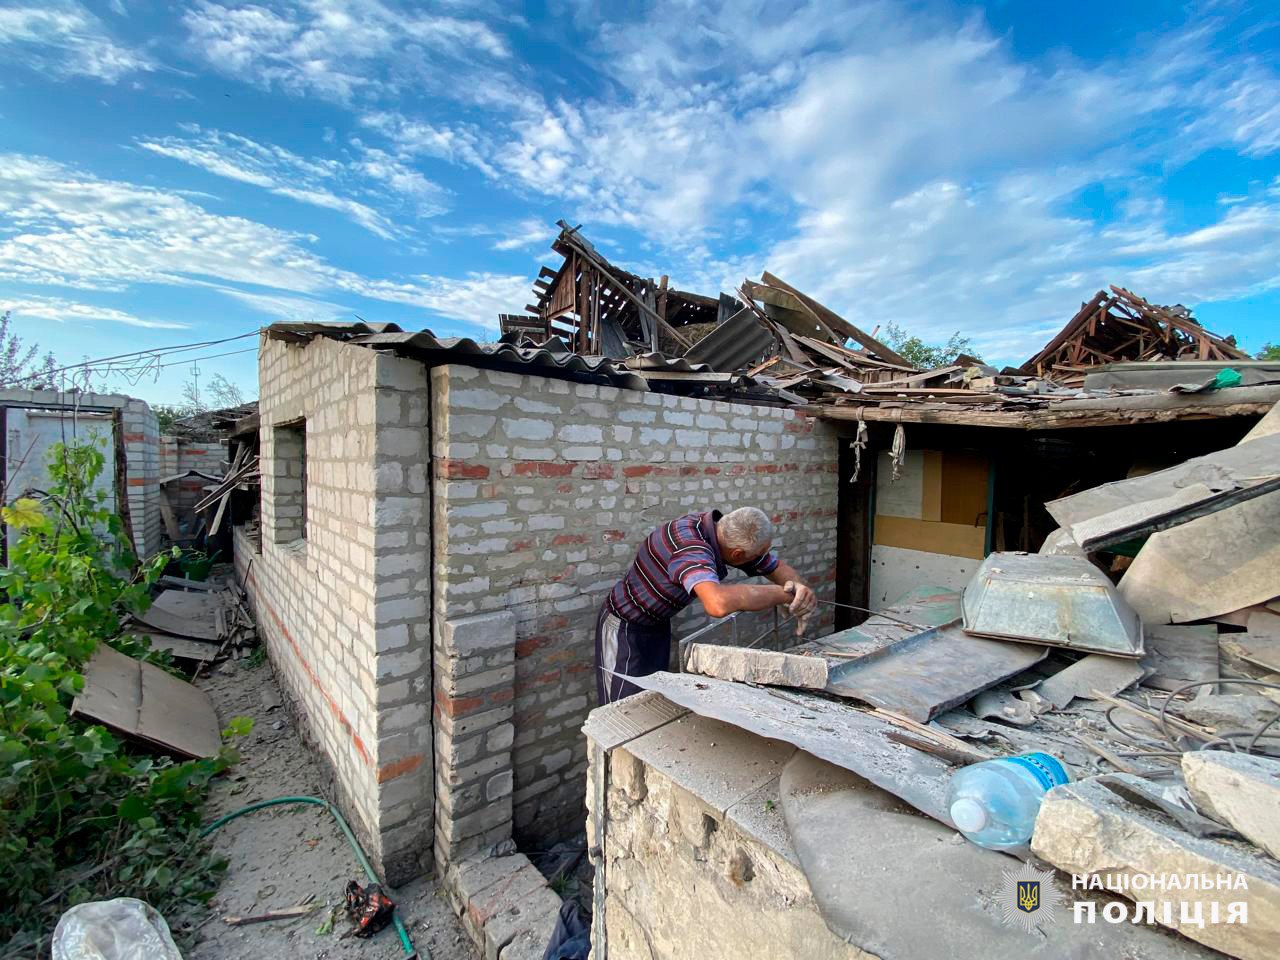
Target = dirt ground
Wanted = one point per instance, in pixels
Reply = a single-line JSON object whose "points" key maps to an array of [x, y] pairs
{"points": [[280, 856]]}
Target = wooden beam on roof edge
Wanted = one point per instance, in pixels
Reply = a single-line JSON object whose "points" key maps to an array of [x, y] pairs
{"points": [[838, 322]]}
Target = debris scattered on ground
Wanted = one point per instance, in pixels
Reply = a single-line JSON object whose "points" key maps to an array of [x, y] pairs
{"points": [[144, 702]]}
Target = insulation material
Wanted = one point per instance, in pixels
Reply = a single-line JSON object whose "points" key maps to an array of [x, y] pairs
{"points": [[937, 506], [903, 497]]}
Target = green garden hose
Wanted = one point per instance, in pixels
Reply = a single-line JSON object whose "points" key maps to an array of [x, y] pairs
{"points": [[409, 951]]}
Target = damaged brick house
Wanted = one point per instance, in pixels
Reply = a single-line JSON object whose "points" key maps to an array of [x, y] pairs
{"points": [[440, 521]]}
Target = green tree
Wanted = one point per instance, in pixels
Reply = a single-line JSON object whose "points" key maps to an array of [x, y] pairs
{"points": [[21, 364], [924, 355], [1269, 351]]}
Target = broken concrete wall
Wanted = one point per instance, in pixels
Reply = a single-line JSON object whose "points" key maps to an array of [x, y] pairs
{"points": [[686, 879], [341, 586], [72, 415], [542, 489]]}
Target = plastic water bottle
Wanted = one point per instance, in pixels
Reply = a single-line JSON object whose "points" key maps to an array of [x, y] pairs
{"points": [[994, 803]]}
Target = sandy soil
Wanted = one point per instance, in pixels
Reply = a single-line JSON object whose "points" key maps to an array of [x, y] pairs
{"points": [[280, 856]]}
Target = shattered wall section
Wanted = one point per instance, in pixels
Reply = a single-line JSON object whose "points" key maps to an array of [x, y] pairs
{"points": [[542, 490], [685, 881], [344, 607]]}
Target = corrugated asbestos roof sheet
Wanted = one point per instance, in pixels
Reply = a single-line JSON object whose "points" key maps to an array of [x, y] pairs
{"points": [[739, 341], [552, 357]]}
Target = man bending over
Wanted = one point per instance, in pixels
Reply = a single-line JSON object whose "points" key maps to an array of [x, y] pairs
{"points": [[687, 558]]}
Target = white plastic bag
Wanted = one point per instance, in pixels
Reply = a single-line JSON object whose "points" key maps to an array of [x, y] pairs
{"points": [[120, 929]]}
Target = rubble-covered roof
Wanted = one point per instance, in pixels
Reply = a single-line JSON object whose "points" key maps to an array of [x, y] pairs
{"points": [[517, 352], [1121, 325], [209, 424], [770, 342]]}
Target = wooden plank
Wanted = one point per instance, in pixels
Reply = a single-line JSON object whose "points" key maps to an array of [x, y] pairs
{"points": [[142, 701], [166, 515], [949, 539], [964, 486], [837, 322]]}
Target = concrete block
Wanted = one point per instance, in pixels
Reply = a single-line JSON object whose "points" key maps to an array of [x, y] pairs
{"points": [[523, 930], [1240, 790], [481, 633], [1086, 829], [496, 814], [758, 666], [507, 893]]}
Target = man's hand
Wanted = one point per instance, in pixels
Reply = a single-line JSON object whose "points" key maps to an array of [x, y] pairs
{"points": [[805, 599]]}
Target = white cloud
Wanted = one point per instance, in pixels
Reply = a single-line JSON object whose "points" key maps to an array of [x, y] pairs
{"points": [[476, 299], [378, 178], [276, 306], [67, 228], [62, 38], [336, 49], [525, 234], [940, 198], [59, 310]]}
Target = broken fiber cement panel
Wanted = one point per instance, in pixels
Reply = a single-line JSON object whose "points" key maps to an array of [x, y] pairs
{"points": [[839, 733], [1208, 566], [1086, 829], [873, 865], [141, 701]]}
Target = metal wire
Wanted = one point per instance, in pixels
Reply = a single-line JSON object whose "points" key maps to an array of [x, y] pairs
{"points": [[875, 613], [1164, 709]]}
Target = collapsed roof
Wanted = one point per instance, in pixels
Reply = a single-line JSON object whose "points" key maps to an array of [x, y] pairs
{"points": [[1120, 325]]}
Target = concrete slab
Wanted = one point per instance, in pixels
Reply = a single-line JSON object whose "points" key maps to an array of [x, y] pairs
{"points": [[1240, 790], [1086, 829], [719, 763], [903, 887], [617, 723], [504, 894], [467, 878], [759, 816], [530, 918]]}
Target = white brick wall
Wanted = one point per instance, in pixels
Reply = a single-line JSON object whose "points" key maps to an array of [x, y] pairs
{"points": [[345, 610], [140, 435], [543, 489]]}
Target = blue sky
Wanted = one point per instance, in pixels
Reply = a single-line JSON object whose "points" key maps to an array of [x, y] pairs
{"points": [[182, 171]]}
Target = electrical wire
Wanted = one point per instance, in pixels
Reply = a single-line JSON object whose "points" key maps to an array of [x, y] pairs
{"points": [[137, 362], [1154, 748]]}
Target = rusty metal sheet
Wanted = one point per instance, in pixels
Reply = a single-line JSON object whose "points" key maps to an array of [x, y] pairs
{"points": [[141, 701], [1058, 600], [928, 673]]}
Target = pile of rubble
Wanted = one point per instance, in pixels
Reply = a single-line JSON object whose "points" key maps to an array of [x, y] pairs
{"points": [[200, 623], [770, 342], [1141, 647]]}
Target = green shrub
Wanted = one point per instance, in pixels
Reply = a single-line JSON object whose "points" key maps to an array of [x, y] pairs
{"points": [[83, 815]]}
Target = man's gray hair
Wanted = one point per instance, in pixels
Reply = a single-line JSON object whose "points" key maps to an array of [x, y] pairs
{"points": [[746, 528]]}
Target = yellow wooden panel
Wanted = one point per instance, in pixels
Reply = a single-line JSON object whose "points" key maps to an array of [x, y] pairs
{"points": [[964, 487], [951, 539], [931, 505]]}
